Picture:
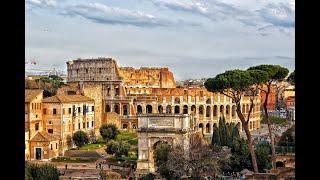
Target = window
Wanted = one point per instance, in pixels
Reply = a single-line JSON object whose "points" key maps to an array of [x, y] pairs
{"points": [[201, 93], [99, 70], [185, 92], [54, 111], [83, 125], [87, 124], [69, 110], [50, 122], [91, 123], [44, 111], [64, 111], [56, 145], [87, 71], [92, 108], [50, 131], [51, 146], [79, 126], [31, 105], [79, 109], [37, 126], [36, 115]]}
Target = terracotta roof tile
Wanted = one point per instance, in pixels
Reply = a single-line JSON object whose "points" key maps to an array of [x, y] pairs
{"points": [[44, 137], [66, 98], [31, 94]]}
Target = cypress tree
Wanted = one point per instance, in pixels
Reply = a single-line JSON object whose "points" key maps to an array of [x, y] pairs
{"points": [[216, 137]]}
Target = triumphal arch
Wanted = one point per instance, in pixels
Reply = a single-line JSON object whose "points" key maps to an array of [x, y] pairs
{"points": [[153, 128]]}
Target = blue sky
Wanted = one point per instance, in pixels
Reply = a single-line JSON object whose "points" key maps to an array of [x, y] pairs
{"points": [[195, 39]]}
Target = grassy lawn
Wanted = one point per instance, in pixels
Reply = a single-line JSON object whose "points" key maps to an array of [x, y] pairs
{"points": [[130, 137], [92, 146], [73, 160], [275, 120]]}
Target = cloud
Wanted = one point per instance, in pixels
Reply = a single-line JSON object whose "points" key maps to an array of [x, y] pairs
{"points": [[41, 3], [279, 15], [276, 15]]}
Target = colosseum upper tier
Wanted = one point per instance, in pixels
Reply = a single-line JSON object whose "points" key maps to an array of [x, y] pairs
{"points": [[121, 93]]}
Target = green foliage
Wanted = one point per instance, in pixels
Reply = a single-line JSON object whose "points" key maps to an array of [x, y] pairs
{"points": [[288, 137], [149, 176], [292, 77], [161, 152], [50, 84], [224, 134], [275, 72], [275, 120], [73, 160], [263, 152], [118, 148], [131, 138], [238, 80], [41, 172], [109, 131], [80, 138]]}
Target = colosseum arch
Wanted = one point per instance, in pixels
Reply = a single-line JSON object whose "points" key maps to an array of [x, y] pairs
{"points": [[222, 110], [149, 109], [215, 109], [233, 114], [168, 109], [160, 109], [125, 110], [177, 100], [117, 109], [176, 109], [193, 108], [228, 109], [201, 109], [208, 128], [139, 109], [185, 109], [208, 111], [108, 108], [201, 127]]}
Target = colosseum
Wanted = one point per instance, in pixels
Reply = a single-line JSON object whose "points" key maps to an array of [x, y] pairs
{"points": [[121, 93]]}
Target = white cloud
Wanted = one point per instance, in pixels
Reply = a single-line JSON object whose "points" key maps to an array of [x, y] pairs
{"points": [[279, 15]]}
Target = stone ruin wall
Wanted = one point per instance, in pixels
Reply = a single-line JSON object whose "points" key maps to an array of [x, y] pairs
{"points": [[101, 69], [147, 77]]}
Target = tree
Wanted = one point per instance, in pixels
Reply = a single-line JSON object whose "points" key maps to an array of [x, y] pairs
{"points": [[275, 74], [216, 137], [50, 84], [80, 138], [224, 134], [118, 148], [288, 137], [235, 84], [41, 172], [263, 151], [199, 161], [109, 131], [291, 78]]}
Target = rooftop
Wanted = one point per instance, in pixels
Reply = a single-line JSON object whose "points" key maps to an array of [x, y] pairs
{"points": [[44, 137], [66, 99], [30, 94]]}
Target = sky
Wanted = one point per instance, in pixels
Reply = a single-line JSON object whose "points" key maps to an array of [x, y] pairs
{"points": [[193, 38]]}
